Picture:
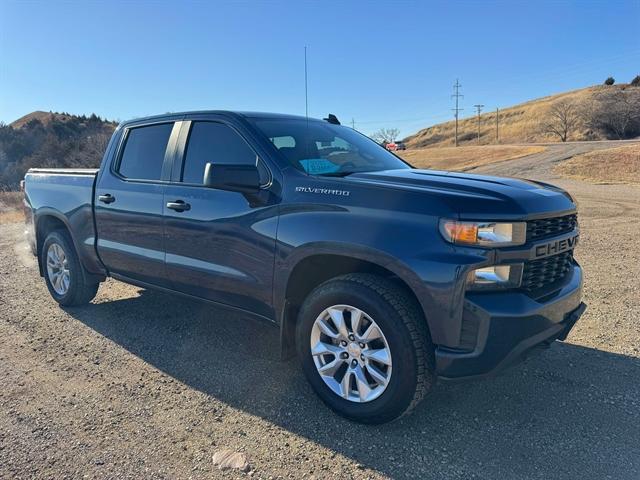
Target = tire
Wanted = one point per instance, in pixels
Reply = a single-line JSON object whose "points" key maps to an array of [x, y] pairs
{"points": [[77, 290], [408, 371]]}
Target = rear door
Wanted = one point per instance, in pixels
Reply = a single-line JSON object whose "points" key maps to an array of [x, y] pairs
{"points": [[222, 247], [129, 202]]}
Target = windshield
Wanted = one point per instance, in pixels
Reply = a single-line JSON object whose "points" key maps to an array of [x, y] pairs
{"points": [[320, 148]]}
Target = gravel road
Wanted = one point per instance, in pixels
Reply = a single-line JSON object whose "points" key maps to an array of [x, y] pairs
{"points": [[143, 385]]}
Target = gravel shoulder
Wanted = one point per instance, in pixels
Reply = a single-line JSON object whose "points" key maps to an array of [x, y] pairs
{"points": [[143, 385]]}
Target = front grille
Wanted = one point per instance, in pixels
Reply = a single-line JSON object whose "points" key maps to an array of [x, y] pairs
{"points": [[549, 227], [546, 271]]}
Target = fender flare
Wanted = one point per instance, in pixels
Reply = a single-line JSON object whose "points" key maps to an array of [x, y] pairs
{"points": [[58, 215], [285, 268]]}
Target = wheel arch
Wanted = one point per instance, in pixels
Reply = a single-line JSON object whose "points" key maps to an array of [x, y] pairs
{"points": [[314, 265], [46, 222]]}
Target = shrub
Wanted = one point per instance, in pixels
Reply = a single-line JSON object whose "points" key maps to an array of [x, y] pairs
{"points": [[636, 81], [465, 137], [610, 81]]}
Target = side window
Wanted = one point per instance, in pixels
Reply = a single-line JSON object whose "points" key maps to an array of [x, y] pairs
{"points": [[211, 142], [144, 151], [283, 142]]}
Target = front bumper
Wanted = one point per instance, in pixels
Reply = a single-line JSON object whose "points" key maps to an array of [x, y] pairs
{"points": [[507, 326]]}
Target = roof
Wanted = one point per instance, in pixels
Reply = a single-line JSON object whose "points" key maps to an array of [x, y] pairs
{"points": [[253, 115]]}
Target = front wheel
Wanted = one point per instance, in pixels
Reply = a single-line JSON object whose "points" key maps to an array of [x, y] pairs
{"points": [[65, 277], [364, 348]]}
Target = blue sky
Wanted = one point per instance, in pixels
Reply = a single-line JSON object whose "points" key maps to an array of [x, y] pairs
{"points": [[385, 64]]}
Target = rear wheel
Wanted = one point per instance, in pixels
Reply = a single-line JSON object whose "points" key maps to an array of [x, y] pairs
{"points": [[66, 279], [364, 348]]}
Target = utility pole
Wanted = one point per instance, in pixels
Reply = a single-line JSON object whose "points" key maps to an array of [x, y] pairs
{"points": [[497, 114], [479, 109], [457, 95], [353, 123]]}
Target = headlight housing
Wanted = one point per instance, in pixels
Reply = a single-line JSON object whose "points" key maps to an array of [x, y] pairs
{"points": [[484, 234], [495, 277]]}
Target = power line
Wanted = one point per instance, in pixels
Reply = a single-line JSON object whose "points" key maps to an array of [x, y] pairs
{"points": [[457, 95], [478, 110], [404, 120]]}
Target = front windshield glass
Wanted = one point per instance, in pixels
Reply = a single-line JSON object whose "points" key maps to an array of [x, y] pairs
{"points": [[321, 148]]}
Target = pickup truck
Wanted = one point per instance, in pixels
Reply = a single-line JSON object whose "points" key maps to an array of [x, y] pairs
{"points": [[381, 277]]}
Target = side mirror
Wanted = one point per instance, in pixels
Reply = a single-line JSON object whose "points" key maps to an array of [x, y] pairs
{"points": [[232, 177]]}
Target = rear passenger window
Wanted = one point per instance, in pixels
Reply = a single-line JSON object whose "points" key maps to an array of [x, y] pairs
{"points": [[211, 142], [144, 151]]}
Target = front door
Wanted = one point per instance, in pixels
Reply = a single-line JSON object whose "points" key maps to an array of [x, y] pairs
{"points": [[219, 245]]}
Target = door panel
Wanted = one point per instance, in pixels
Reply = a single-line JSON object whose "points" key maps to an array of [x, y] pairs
{"points": [[131, 230], [221, 249]]}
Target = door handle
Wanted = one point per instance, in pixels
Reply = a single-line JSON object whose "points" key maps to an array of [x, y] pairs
{"points": [[179, 206], [107, 198]]}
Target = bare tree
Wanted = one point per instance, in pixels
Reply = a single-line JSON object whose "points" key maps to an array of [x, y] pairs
{"points": [[615, 112], [561, 119], [385, 135]]}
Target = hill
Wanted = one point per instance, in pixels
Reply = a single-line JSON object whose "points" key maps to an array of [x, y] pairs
{"points": [[597, 111], [465, 158], [43, 117], [48, 139], [613, 165]]}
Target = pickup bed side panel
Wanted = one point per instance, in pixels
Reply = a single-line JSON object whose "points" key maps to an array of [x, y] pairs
{"points": [[67, 197]]}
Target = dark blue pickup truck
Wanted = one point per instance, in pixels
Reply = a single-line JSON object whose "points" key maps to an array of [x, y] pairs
{"points": [[380, 276]]}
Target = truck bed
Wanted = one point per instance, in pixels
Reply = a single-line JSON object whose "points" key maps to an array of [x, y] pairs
{"points": [[64, 195]]}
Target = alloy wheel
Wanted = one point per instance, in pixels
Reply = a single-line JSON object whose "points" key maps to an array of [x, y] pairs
{"points": [[351, 353], [58, 269]]}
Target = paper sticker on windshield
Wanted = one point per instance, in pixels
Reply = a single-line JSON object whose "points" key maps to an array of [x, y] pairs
{"points": [[318, 166]]}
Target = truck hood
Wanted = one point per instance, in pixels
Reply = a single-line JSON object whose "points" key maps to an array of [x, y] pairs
{"points": [[475, 196]]}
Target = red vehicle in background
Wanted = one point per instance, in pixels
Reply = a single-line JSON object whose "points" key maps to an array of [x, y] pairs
{"points": [[394, 146]]}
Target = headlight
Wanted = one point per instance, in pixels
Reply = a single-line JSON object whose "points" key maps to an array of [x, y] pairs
{"points": [[489, 234], [495, 276]]}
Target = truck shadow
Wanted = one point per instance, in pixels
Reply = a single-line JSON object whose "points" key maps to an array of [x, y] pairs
{"points": [[571, 412]]}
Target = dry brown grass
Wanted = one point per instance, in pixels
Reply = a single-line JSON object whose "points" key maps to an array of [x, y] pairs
{"points": [[13, 216], [518, 124], [11, 207], [617, 165], [465, 158]]}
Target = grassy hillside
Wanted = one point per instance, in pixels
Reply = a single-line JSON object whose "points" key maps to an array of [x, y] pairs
{"points": [[619, 165], [47, 139], [464, 158], [522, 123]]}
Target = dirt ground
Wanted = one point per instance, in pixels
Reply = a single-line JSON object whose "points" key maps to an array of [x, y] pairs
{"points": [[143, 385]]}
